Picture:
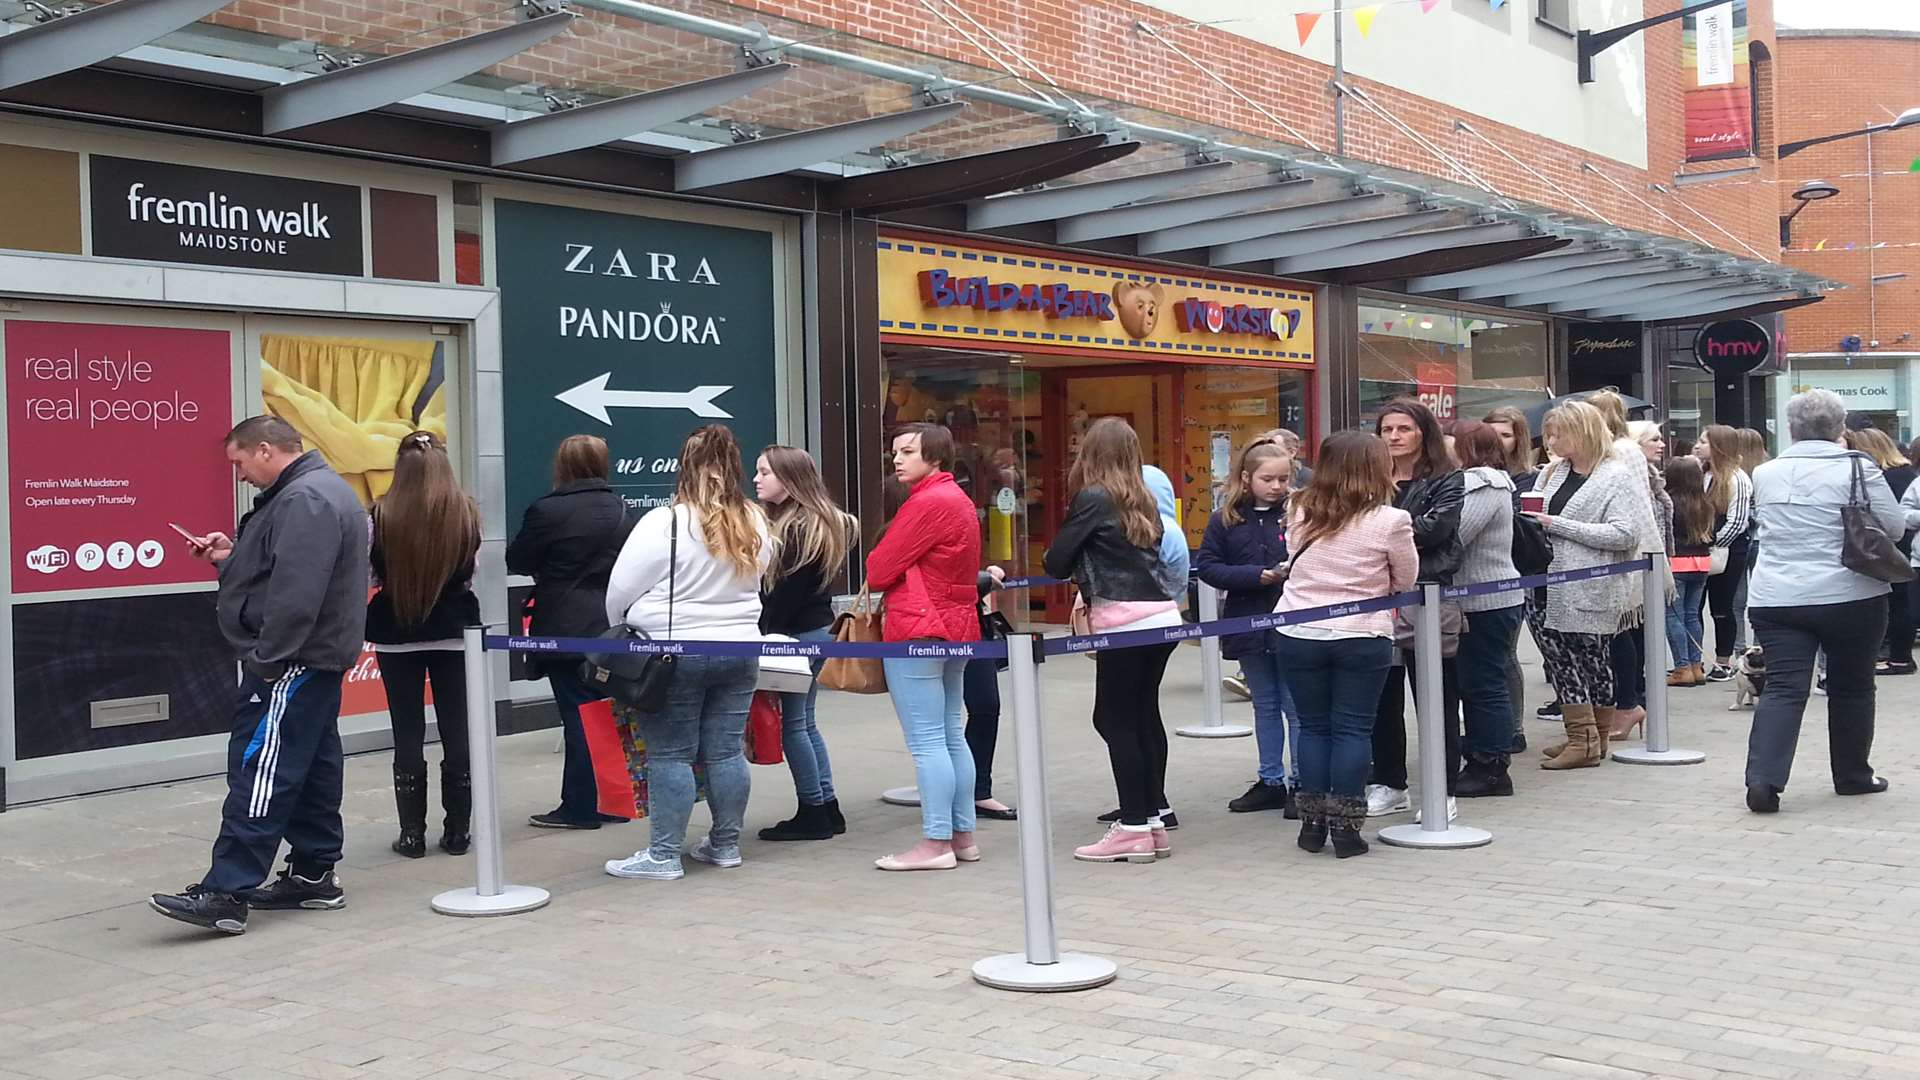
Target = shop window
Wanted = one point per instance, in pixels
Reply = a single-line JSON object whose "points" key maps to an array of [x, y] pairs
{"points": [[1460, 363], [466, 234], [1557, 14]]}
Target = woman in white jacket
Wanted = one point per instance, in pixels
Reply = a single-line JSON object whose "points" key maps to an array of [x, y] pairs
{"points": [[692, 570]]}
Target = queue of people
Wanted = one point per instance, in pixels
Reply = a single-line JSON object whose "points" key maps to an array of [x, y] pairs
{"points": [[1814, 548]]}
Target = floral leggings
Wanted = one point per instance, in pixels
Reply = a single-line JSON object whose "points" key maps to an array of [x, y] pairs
{"points": [[1580, 666]]}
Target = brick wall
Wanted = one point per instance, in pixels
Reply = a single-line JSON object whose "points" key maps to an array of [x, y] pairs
{"points": [[1091, 48], [1843, 83]]}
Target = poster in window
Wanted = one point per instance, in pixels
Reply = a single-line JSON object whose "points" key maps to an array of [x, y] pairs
{"points": [[1719, 82]]}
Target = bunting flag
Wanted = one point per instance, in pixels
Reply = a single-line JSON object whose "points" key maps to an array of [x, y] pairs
{"points": [[1821, 246], [1915, 167], [1498, 4], [1363, 18], [1427, 6], [1305, 22]]}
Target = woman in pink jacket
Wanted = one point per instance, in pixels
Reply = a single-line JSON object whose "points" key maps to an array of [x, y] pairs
{"points": [[927, 565]]}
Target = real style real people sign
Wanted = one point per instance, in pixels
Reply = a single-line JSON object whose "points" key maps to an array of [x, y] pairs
{"points": [[180, 213], [636, 330]]}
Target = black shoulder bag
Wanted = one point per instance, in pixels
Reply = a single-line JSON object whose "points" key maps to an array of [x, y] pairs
{"points": [[638, 680]]}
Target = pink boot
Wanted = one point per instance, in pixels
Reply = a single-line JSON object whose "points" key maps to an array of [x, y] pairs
{"points": [[1121, 844], [1162, 846]]}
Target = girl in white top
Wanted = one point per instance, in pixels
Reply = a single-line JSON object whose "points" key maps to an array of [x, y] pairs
{"points": [[704, 556]]}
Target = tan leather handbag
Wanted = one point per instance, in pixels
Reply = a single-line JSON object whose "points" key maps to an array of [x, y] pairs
{"points": [[856, 674]]}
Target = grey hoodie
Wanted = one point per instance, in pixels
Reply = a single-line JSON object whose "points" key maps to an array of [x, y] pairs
{"points": [[294, 588]]}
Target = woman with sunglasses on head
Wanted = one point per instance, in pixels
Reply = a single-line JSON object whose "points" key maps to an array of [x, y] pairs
{"points": [[426, 535]]}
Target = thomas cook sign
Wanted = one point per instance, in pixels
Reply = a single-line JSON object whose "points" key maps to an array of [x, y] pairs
{"points": [[633, 329], [180, 213]]}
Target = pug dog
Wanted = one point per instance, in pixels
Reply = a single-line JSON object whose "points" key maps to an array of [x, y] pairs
{"points": [[1749, 678]]}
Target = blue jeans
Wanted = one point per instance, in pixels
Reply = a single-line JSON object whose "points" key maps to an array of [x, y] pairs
{"points": [[579, 792], [1276, 723], [1485, 707], [1684, 625], [1336, 686], [929, 696], [800, 736], [704, 719]]}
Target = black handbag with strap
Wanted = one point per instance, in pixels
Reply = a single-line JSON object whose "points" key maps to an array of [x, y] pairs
{"points": [[638, 680], [1865, 547]]}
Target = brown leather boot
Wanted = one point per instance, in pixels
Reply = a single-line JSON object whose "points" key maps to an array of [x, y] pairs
{"points": [[1604, 719], [1681, 676], [1583, 739]]}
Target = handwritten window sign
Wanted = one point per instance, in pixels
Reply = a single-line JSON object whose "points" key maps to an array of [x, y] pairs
{"points": [[181, 213]]}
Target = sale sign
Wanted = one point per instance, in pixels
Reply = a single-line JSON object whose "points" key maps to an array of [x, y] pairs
{"points": [[113, 432], [1437, 389]]}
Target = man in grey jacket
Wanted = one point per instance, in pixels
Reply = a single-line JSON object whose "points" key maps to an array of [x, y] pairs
{"points": [[292, 603]]}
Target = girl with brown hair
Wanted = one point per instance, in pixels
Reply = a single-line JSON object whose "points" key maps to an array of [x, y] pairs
{"points": [[1730, 491], [567, 543], [1692, 559], [1109, 545], [812, 537], [692, 570], [426, 535], [1349, 543]]}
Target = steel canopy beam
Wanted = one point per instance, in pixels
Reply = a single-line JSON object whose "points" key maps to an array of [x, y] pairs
{"points": [[72, 42], [1321, 237], [1206, 234], [1708, 303], [952, 180], [1399, 247], [1446, 260], [376, 83], [1544, 279], [1073, 200], [1657, 273], [1147, 217], [1704, 298], [1746, 310], [1523, 270], [622, 117], [1626, 291], [797, 150]]}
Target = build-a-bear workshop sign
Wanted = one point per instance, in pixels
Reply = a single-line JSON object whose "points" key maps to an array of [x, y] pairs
{"points": [[1013, 300]]}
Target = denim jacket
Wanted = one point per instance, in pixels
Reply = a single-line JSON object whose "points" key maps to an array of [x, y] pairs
{"points": [[1797, 498]]}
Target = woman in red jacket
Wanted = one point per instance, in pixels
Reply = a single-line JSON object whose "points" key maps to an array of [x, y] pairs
{"points": [[926, 564]]}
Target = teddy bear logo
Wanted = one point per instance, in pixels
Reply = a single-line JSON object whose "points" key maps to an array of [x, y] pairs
{"points": [[1139, 307]]}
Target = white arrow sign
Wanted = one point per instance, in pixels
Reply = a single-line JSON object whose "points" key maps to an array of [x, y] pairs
{"points": [[593, 398]]}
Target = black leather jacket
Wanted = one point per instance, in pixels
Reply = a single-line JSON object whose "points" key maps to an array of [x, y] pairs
{"points": [[1434, 504], [1093, 550]]}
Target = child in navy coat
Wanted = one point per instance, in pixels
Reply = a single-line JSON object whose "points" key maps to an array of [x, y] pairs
{"points": [[1246, 540]]}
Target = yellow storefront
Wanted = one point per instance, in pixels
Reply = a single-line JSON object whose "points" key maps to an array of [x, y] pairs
{"points": [[1018, 349]]}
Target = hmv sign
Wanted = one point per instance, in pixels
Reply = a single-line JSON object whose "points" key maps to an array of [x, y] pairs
{"points": [[214, 217], [1734, 347]]}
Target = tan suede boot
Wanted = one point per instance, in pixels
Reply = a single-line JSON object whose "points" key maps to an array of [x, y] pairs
{"points": [[1604, 719], [1583, 737]]}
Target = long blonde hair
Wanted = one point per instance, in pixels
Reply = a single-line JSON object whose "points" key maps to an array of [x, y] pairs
{"points": [[1876, 445], [809, 528], [1583, 426], [1355, 477], [1723, 460], [427, 527], [1255, 453], [1613, 409], [709, 487], [1110, 460], [1753, 450]]}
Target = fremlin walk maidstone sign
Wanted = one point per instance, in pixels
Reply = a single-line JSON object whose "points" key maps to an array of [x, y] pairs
{"points": [[634, 329]]}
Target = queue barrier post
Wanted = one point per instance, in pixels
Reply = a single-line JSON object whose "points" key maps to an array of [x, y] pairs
{"points": [[1042, 967], [1657, 749], [491, 894], [1212, 723], [1434, 830]]}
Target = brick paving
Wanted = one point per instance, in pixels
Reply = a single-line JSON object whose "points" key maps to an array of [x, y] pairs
{"points": [[1626, 922]]}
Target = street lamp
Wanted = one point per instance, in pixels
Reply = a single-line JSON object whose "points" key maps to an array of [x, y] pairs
{"points": [[1905, 119], [1811, 191]]}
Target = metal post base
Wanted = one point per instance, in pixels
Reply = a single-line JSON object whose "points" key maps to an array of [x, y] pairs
{"points": [[901, 796], [1215, 731], [1640, 755], [1453, 836], [1075, 971], [513, 900]]}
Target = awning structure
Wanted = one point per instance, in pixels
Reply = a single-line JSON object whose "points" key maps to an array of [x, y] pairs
{"points": [[707, 98]]}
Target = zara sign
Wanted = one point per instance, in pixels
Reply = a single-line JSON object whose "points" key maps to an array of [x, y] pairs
{"points": [[1731, 348]]}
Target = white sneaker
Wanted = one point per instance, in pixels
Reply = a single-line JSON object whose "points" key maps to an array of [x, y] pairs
{"points": [[1383, 800], [1453, 811], [644, 865], [1236, 686], [705, 852]]}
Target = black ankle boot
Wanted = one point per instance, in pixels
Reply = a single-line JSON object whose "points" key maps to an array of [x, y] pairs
{"points": [[410, 803], [832, 807], [1313, 821], [1345, 818], [456, 798], [807, 823], [1484, 778]]}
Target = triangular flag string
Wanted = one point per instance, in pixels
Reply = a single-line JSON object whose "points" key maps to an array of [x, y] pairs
{"points": [[1363, 18], [1305, 22], [1427, 6]]}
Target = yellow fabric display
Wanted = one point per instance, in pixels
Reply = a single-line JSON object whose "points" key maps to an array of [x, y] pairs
{"points": [[352, 399]]}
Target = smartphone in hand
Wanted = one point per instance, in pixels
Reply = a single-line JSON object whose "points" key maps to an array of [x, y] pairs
{"points": [[198, 542]]}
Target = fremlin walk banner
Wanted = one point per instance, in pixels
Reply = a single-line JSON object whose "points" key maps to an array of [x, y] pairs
{"points": [[634, 329]]}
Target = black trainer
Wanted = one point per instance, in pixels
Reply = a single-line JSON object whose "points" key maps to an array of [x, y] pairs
{"points": [[218, 911], [1261, 796], [1167, 820], [554, 820], [1549, 711], [291, 892]]}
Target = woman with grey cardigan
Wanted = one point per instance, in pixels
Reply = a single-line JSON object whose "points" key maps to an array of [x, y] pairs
{"points": [[1486, 535], [1597, 512]]}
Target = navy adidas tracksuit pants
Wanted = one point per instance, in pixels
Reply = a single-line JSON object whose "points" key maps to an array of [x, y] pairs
{"points": [[284, 773]]}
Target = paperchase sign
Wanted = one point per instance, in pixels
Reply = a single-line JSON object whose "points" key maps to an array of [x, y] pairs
{"points": [[214, 217]]}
